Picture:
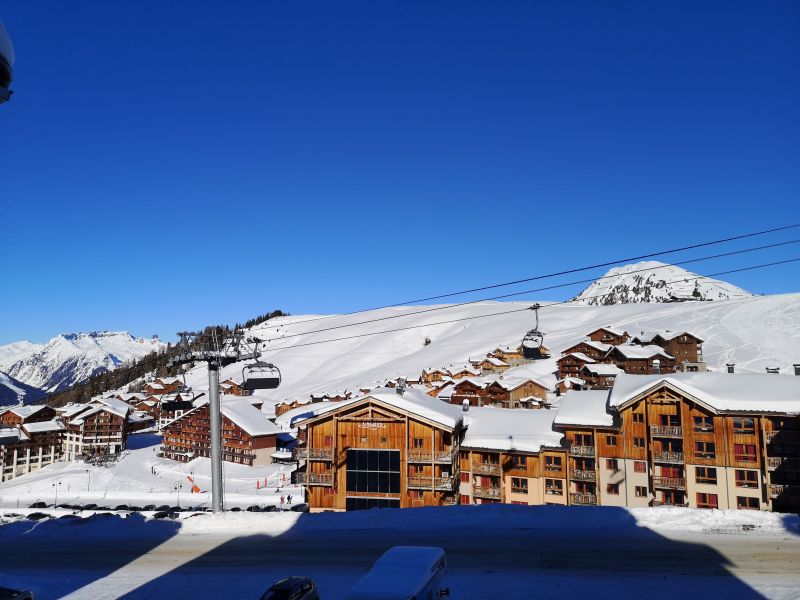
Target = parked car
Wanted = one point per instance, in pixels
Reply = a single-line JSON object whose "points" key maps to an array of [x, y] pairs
{"points": [[404, 573], [292, 588], [9, 594]]}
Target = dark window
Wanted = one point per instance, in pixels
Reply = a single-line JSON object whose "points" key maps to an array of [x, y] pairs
{"points": [[519, 462], [744, 425], [612, 489], [704, 450], [744, 452], [703, 424], [366, 503], [641, 491], [519, 485], [554, 487], [706, 475], [611, 440], [640, 467], [373, 471], [553, 461], [612, 464], [746, 479], [638, 442], [707, 500], [745, 502], [638, 417]]}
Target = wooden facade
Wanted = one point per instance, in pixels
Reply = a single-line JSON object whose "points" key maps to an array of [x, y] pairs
{"points": [[608, 335], [570, 365], [14, 417], [410, 460]]}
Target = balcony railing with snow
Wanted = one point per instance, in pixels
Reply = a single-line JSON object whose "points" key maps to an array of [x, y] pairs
{"points": [[673, 483], [575, 450], [427, 483], [321, 453], [486, 468], [482, 491], [426, 456], [584, 499], [315, 478], [666, 431], [669, 457], [782, 436], [669, 503], [582, 475]]}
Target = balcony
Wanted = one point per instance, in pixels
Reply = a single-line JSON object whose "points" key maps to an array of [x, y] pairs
{"points": [[773, 462], [480, 491], [670, 431], [315, 478], [672, 483], [322, 453], [486, 469], [669, 503], [428, 457], [582, 475], [581, 450], [669, 457], [782, 436], [583, 499], [449, 501], [444, 484], [553, 468]]}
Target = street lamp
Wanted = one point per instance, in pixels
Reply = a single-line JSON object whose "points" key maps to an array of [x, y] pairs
{"points": [[56, 484], [89, 480], [178, 487]]}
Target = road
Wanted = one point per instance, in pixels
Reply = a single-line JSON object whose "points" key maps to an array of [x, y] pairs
{"points": [[508, 562]]}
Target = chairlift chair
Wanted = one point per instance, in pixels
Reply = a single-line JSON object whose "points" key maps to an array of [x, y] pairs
{"points": [[532, 342], [260, 376]]}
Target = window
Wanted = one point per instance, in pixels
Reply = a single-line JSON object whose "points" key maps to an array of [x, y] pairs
{"points": [[552, 463], [747, 503], [519, 485], [641, 491], [746, 479], [744, 425], [670, 420], [707, 500], [640, 466], [612, 489], [584, 439], [419, 442], [465, 476], [383, 441], [363, 439], [704, 450], [554, 487], [417, 469], [638, 442], [703, 424], [612, 464], [744, 452], [373, 471], [328, 441], [638, 417], [707, 475], [611, 440], [519, 462]]}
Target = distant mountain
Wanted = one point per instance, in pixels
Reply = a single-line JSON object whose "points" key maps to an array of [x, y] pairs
{"points": [[653, 281], [13, 392], [70, 358]]}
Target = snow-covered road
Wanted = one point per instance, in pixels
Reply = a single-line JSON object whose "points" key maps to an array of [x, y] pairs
{"points": [[504, 552]]}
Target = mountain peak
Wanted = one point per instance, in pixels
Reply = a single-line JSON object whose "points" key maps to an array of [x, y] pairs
{"points": [[654, 281]]}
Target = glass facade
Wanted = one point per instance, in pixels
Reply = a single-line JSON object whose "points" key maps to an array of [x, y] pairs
{"points": [[373, 471]]}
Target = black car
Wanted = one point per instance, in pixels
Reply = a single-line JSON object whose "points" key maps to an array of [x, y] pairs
{"points": [[292, 588], [8, 594]]}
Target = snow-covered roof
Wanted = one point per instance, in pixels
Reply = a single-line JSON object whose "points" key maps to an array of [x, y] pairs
{"points": [[138, 416], [575, 380], [412, 401], [602, 369], [25, 411], [495, 361], [512, 382], [245, 415], [169, 380], [632, 351], [12, 435], [400, 573], [116, 406], [581, 356], [596, 345], [665, 334], [509, 429], [725, 392], [609, 329], [43, 426], [72, 409], [587, 407]]}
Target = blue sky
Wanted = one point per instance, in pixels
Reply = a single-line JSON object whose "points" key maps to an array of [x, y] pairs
{"points": [[172, 164]]}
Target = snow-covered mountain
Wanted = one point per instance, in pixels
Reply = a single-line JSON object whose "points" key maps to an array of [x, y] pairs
{"points": [[12, 392], [653, 281], [70, 358]]}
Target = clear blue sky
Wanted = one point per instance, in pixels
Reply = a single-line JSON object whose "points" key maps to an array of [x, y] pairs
{"points": [[171, 164]]}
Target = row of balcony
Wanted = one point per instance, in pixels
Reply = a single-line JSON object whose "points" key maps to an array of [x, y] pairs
{"points": [[315, 478], [322, 453], [575, 450], [782, 436], [776, 490], [672, 483], [789, 464], [427, 483], [484, 491], [583, 475], [426, 456], [487, 468], [583, 499]]}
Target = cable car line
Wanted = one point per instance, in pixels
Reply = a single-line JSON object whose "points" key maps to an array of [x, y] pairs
{"points": [[524, 292]]}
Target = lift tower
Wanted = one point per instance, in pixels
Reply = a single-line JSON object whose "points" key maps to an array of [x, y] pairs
{"points": [[195, 347]]}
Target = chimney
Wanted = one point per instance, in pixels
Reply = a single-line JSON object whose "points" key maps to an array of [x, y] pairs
{"points": [[401, 385], [797, 369], [731, 367], [465, 406], [774, 370]]}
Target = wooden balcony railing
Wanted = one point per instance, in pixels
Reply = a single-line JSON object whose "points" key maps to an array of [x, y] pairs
{"points": [[480, 491], [773, 462], [321, 453], [584, 499], [448, 501], [486, 469], [666, 431], [669, 503], [673, 483], [426, 456], [782, 436], [581, 450], [669, 457], [553, 468], [582, 475], [427, 483], [776, 490], [315, 478]]}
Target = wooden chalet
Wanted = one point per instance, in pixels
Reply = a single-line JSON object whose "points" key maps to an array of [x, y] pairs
{"points": [[609, 335], [287, 405], [231, 387], [492, 364], [570, 364], [685, 347], [32, 413], [515, 392], [511, 355], [641, 360], [383, 450], [98, 429], [594, 350], [599, 376], [248, 437], [472, 391]]}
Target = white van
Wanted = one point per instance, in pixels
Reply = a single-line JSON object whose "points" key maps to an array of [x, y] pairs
{"points": [[404, 573]]}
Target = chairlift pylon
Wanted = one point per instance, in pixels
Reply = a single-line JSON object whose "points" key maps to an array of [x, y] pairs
{"points": [[532, 342]]}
